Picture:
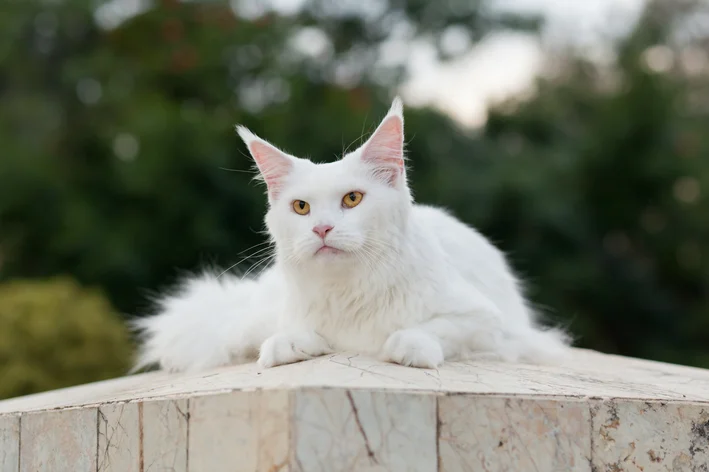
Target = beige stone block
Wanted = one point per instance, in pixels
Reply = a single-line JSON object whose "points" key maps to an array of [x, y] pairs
{"points": [[510, 434], [650, 436], [58, 441], [274, 430], [586, 374], [239, 431], [343, 430], [119, 447], [164, 435], [353, 412], [9, 443]]}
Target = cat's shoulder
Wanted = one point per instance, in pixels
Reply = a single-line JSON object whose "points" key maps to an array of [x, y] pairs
{"points": [[434, 214], [444, 223]]}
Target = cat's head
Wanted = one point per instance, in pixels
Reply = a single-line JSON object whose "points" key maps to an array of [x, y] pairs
{"points": [[347, 211]]}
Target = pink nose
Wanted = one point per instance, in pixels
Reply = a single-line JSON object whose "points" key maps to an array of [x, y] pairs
{"points": [[322, 230]]}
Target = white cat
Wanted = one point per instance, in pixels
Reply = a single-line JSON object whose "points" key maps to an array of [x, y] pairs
{"points": [[358, 267]]}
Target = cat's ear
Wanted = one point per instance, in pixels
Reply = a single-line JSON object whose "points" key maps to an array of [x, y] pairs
{"points": [[384, 150], [273, 164]]}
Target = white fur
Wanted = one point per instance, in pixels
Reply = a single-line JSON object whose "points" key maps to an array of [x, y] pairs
{"points": [[410, 284]]}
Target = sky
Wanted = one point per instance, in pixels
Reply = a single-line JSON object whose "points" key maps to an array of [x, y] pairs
{"points": [[505, 64], [501, 65]]}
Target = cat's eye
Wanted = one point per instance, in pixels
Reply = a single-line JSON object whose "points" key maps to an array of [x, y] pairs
{"points": [[301, 207], [352, 199]]}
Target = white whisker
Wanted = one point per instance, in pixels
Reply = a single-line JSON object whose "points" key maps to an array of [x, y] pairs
{"points": [[258, 264], [256, 253]]}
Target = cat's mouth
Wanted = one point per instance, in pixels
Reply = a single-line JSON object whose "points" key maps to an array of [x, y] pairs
{"points": [[325, 249]]}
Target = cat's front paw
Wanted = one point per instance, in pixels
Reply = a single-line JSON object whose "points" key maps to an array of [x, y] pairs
{"points": [[414, 348], [287, 348]]}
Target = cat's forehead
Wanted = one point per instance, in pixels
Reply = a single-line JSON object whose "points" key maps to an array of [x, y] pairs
{"points": [[322, 173], [323, 177]]}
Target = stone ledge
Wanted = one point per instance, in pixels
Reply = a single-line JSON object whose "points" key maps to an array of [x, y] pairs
{"points": [[342, 412]]}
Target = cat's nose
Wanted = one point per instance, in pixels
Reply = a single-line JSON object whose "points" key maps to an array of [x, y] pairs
{"points": [[322, 230]]}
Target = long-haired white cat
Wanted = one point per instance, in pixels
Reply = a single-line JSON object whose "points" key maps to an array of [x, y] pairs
{"points": [[358, 267]]}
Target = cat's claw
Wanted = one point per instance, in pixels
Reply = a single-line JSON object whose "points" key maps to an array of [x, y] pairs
{"points": [[287, 348], [414, 348]]}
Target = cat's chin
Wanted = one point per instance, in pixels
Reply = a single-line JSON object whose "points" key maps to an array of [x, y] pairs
{"points": [[328, 251]]}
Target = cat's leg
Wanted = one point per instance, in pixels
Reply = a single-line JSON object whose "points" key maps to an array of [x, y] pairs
{"points": [[287, 347], [414, 347], [475, 324]]}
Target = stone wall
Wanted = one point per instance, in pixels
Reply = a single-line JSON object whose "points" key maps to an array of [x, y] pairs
{"points": [[349, 413]]}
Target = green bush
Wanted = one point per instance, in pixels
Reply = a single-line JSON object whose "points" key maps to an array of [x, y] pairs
{"points": [[55, 333]]}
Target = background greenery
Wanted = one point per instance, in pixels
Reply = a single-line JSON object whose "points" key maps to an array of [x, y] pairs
{"points": [[56, 334], [114, 145]]}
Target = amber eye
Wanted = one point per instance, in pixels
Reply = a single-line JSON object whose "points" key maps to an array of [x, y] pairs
{"points": [[352, 199], [301, 207]]}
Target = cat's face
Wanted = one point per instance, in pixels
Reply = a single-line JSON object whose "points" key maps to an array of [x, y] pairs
{"points": [[344, 212]]}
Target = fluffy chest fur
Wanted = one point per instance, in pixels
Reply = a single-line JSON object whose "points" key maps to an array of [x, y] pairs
{"points": [[354, 315]]}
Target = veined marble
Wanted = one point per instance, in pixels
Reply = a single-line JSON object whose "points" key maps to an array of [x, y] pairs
{"points": [[346, 412]]}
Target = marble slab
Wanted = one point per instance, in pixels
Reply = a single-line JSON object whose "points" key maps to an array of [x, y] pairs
{"points": [[650, 436], [58, 440], [347, 412], [9, 443], [119, 441], [493, 433], [359, 430], [241, 431], [164, 435], [587, 374]]}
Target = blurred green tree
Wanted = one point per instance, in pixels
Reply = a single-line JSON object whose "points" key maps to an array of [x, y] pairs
{"points": [[599, 195], [54, 334]]}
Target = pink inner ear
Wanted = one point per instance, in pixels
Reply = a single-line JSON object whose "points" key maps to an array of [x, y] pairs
{"points": [[272, 164], [385, 149]]}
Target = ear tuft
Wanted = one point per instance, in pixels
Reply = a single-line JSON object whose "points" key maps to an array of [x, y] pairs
{"points": [[397, 108], [273, 164], [384, 150], [245, 134]]}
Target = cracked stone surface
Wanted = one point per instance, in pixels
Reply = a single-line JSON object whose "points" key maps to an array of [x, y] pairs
{"points": [[358, 430], [119, 445], [650, 436], [343, 412], [164, 435], [514, 434]]}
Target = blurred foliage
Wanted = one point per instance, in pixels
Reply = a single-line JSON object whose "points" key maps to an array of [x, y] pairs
{"points": [[608, 215], [120, 165], [56, 334]]}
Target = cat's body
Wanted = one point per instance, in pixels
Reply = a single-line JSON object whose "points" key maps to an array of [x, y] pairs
{"points": [[359, 267]]}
